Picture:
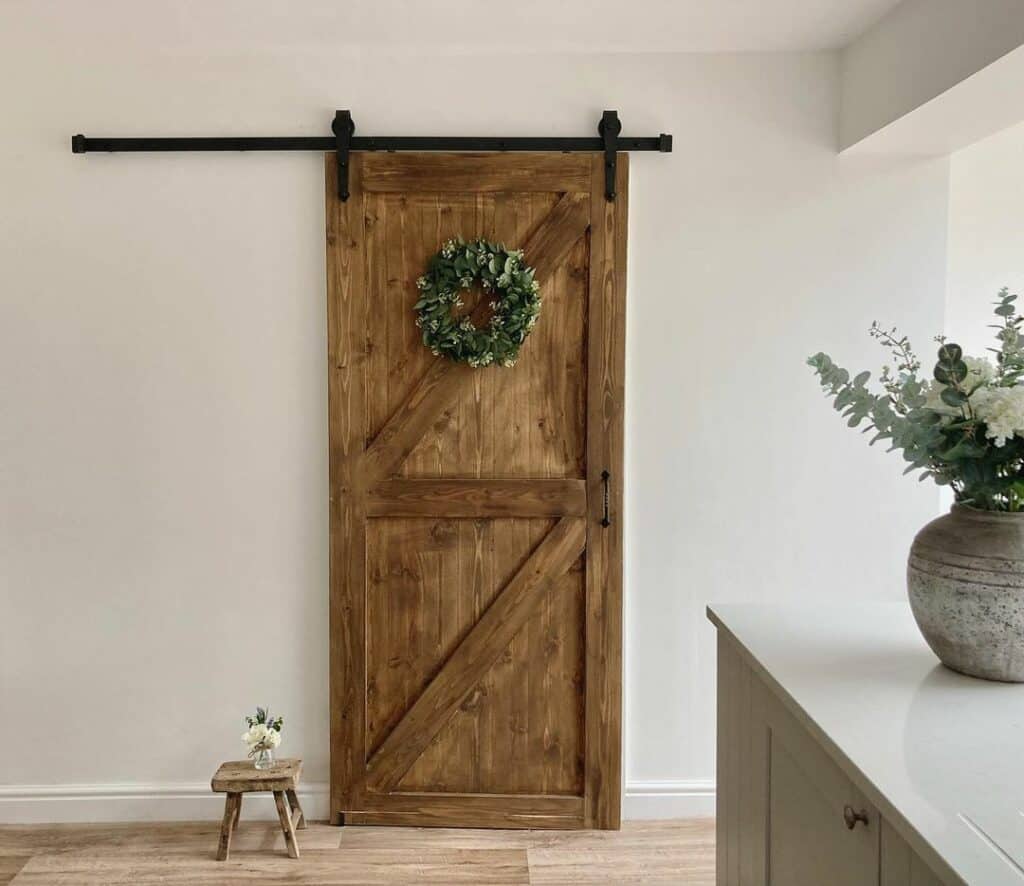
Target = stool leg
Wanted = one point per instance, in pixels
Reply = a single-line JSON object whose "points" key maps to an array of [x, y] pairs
{"points": [[286, 824], [232, 803], [298, 819], [238, 811]]}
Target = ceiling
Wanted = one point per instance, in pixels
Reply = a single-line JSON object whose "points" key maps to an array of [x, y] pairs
{"points": [[499, 26]]}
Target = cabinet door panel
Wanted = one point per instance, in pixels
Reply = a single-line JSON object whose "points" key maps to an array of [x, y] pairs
{"points": [[810, 842], [901, 866]]}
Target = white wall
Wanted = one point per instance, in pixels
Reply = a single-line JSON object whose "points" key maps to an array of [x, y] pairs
{"points": [[163, 443], [919, 50], [986, 236]]}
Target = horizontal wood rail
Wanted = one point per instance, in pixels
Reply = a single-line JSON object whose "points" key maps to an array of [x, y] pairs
{"points": [[477, 498], [488, 810]]}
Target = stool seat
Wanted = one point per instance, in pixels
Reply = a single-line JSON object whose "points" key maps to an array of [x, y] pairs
{"points": [[237, 777], [242, 777]]}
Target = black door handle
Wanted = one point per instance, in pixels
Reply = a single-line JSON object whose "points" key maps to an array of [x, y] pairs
{"points": [[605, 519]]}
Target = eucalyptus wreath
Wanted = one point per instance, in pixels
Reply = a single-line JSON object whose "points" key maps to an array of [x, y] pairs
{"points": [[508, 283]]}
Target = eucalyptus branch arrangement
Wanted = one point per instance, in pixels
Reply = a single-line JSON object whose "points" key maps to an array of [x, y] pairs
{"points": [[264, 733], [963, 427]]}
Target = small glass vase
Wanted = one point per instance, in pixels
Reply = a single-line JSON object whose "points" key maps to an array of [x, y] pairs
{"points": [[264, 759]]}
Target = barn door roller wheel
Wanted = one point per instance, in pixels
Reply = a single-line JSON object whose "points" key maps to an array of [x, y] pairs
{"points": [[343, 128], [609, 129]]}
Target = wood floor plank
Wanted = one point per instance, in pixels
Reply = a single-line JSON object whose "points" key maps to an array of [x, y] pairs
{"points": [[635, 838], [158, 838], [182, 854], [10, 865], [572, 868], [315, 868]]}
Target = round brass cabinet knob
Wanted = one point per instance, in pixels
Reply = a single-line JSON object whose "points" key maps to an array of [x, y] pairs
{"points": [[851, 817]]}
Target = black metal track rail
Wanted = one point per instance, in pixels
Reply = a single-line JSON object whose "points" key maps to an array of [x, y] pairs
{"points": [[608, 141], [83, 145]]}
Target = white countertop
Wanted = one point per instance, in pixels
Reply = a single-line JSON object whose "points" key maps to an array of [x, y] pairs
{"points": [[938, 753]]}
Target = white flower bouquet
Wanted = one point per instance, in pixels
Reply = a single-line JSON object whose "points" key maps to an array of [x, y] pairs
{"points": [[964, 427], [263, 737]]}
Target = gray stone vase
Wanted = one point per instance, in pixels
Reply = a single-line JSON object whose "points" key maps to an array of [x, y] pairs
{"points": [[965, 577]]}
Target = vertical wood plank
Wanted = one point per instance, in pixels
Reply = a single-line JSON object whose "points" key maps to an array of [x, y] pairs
{"points": [[346, 347], [605, 393]]}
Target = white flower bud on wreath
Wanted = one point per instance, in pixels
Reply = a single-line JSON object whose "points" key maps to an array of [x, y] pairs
{"points": [[513, 293]]}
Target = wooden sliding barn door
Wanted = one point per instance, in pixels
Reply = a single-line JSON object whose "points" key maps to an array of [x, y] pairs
{"points": [[475, 626]]}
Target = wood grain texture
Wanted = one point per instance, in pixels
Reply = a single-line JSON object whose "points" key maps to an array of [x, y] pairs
{"points": [[346, 386], [477, 498], [425, 406], [605, 397], [429, 582], [521, 805], [298, 816], [522, 423], [450, 479], [561, 228], [480, 647], [476, 173], [433, 809], [240, 776], [287, 828], [231, 807], [332, 868], [10, 865], [181, 854], [428, 403]]}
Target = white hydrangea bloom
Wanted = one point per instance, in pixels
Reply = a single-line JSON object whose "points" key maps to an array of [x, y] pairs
{"points": [[1002, 410], [257, 735], [978, 369]]}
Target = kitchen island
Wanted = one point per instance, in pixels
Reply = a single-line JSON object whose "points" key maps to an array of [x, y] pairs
{"points": [[848, 755]]}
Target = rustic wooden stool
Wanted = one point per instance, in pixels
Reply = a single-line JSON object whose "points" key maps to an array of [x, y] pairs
{"points": [[242, 777]]}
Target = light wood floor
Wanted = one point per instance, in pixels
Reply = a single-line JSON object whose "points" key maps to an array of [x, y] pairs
{"points": [[681, 852]]}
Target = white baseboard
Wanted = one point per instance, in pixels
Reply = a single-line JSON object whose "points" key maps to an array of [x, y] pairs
{"points": [[36, 804], [33, 804], [690, 798]]}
